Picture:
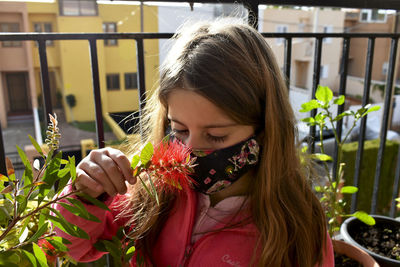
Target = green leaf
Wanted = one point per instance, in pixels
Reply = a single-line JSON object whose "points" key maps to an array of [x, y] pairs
{"points": [[321, 157], [310, 105], [64, 176], [324, 94], [349, 190], [22, 203], [309, 120], [154, 193], [51, 174], [135, 161], [131, 250], [23, 232], [94, 201], [39, 233], [29, 256], [9, 259], [146, 154], [364, 217], [39, 255], [340, 100], [66, 226], [341, 115], [72, 167], [28, 174], [112, 248], [318, 189], [58, 245], [374, 108], [36, 145], [78, 211]]}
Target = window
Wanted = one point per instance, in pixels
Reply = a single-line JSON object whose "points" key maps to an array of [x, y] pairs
{"points": [[373, 15], [385, 67], [131, 80], [110, 27], [281, 29], [323, 74], [10, 27], [328, 29], [43, 27], [78, 7], [112, 81]]}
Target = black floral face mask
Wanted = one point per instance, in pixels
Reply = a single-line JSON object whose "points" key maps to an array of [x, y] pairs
{"points": [[220, 168]]}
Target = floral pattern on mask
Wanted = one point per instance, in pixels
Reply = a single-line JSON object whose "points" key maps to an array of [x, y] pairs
{"points": [[218, 186], [218, 169]]}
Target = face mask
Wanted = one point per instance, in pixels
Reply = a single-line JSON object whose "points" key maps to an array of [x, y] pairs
{"points": [[220, 168]]}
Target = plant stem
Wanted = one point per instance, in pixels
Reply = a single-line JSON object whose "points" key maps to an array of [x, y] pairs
{"points": [[26, 243], [19, 218]]}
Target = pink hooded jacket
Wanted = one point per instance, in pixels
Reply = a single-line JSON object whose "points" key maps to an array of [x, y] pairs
{"points": [[228, 247]]}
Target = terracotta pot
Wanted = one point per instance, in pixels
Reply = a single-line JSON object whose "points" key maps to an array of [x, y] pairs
{"points": [[354, 253], [351, 225]]}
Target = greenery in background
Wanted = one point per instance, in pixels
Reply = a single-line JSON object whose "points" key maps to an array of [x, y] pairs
{"points": [[381, 88], [27, 219], [90, 126], [332, 191], [367, 173]]}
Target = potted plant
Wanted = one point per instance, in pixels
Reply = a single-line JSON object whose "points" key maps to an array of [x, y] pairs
{"points": [[27, 219], [332, 188]]}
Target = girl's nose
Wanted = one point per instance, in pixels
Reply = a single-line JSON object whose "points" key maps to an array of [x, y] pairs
{"points": [[194, 142]]}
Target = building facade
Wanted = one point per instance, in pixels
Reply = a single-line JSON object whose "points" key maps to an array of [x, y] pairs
{"points": [[69, 60]]}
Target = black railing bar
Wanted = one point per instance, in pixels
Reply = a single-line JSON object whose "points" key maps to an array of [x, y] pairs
{"points": [[396, 185], [385, 121], [3, 166], [340, 108], [96, 92], [141, 80], [44, 73], [81, 36], [19, 36], [316, 78], [363, 123], [376, 4], [287, 60]]}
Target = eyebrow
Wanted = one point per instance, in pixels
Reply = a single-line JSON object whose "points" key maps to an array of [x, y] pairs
{"points": [[208, 126]]}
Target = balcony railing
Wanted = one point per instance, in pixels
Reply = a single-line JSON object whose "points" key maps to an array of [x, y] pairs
{"points": [[318, 41]]}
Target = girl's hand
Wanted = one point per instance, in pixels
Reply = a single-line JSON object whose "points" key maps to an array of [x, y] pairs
{"points": [[104, 170]]}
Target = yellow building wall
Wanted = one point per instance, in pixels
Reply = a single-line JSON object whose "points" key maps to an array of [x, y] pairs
{"points": [[70, 59], [122, 57], [76, 67]]}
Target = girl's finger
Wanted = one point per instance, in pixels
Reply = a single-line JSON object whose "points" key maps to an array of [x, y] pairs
{"points": [[87, 185]]}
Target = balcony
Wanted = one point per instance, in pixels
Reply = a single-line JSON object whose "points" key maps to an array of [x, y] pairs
{"points": [[310, 51]]}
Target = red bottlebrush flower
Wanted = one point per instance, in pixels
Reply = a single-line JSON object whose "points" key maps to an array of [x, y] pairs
{"points": [[172, 164], [50, 251]]}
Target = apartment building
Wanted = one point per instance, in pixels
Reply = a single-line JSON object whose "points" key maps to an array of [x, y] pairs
{"points": [[314, 20], [69, 61], [367, 20]]}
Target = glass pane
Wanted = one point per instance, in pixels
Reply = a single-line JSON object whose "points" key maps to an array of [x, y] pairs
{"points": [[88, 8], [47, 27], [374, 15], [14, 27], [37, 27], [70, 7]]}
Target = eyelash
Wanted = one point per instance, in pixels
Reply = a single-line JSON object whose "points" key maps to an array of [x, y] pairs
{"points": [[216, 139]]}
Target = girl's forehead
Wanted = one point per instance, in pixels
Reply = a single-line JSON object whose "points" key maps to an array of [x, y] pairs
{"points": [[187, 106]]}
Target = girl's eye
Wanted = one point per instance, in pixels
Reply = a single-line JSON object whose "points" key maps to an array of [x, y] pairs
{"points": [[217, 139], [179, 133]]}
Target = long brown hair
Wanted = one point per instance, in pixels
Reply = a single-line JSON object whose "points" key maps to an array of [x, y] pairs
{"points": [[230, 64]]}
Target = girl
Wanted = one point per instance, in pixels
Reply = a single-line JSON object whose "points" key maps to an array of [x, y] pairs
{"points": [[221, 90]]}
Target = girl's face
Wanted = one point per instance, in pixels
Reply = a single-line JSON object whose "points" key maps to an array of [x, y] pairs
{"points": [[200, 124]]}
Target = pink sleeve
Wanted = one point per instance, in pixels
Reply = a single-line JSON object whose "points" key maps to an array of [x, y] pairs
{"points": [[82, 250], [328, 257]]}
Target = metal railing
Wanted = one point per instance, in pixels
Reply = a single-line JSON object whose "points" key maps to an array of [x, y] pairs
{"points": [[41, 38]]}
